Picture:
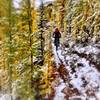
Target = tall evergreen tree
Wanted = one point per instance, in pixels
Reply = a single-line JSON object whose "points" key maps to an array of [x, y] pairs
{"points": [[10, 55]]}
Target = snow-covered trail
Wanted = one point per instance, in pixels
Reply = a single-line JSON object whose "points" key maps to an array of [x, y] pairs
{"points": [[58, 85], [83, 75]]}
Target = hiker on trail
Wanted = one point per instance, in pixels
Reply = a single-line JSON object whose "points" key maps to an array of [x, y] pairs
{"points": [[57, 36]]}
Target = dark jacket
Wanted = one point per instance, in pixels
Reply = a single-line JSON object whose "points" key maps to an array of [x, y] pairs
{"points": [[57, 34]]}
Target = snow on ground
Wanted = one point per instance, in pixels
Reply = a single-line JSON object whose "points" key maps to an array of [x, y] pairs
{"points": [[7, 97], [59, 95], [88, 74], [88, 49], [83, 75], [55, 55]]}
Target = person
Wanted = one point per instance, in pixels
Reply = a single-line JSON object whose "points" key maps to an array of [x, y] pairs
{"points": [[57, 36]]}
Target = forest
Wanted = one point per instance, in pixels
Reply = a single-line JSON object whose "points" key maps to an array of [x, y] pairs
{"points": [[34, 65]]}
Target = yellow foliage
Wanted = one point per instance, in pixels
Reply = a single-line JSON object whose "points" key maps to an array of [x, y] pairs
{"points": [[34, 20]]}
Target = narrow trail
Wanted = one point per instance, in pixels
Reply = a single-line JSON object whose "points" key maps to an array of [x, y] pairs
{"points": [[62, 80], [76, 76]]}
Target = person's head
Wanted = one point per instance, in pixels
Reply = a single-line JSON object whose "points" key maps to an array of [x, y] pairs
{"points": [[56, 30]]}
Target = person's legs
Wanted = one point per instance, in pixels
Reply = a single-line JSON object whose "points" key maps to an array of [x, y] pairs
{"points": [[56, 47], [57, 43]]}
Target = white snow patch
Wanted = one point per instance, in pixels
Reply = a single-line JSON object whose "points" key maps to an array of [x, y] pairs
{"points": [[7, 97], [59, 95], [91, 75], [98, 95], [87, 49], [85, 77], [56, 56]]}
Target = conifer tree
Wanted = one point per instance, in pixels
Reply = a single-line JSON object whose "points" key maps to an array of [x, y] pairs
{"points": [[69, 19], [41, 38], [30, 35], [10, 53]]}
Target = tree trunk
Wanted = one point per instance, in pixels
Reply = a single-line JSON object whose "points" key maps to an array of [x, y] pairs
{"points": [[10, 48], [30, 37]]}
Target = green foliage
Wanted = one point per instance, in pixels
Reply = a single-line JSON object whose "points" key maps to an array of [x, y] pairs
{"points": [[23, 43]]}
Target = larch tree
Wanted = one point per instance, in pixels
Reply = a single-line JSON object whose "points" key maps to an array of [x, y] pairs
{"points": [[10, 53]]}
